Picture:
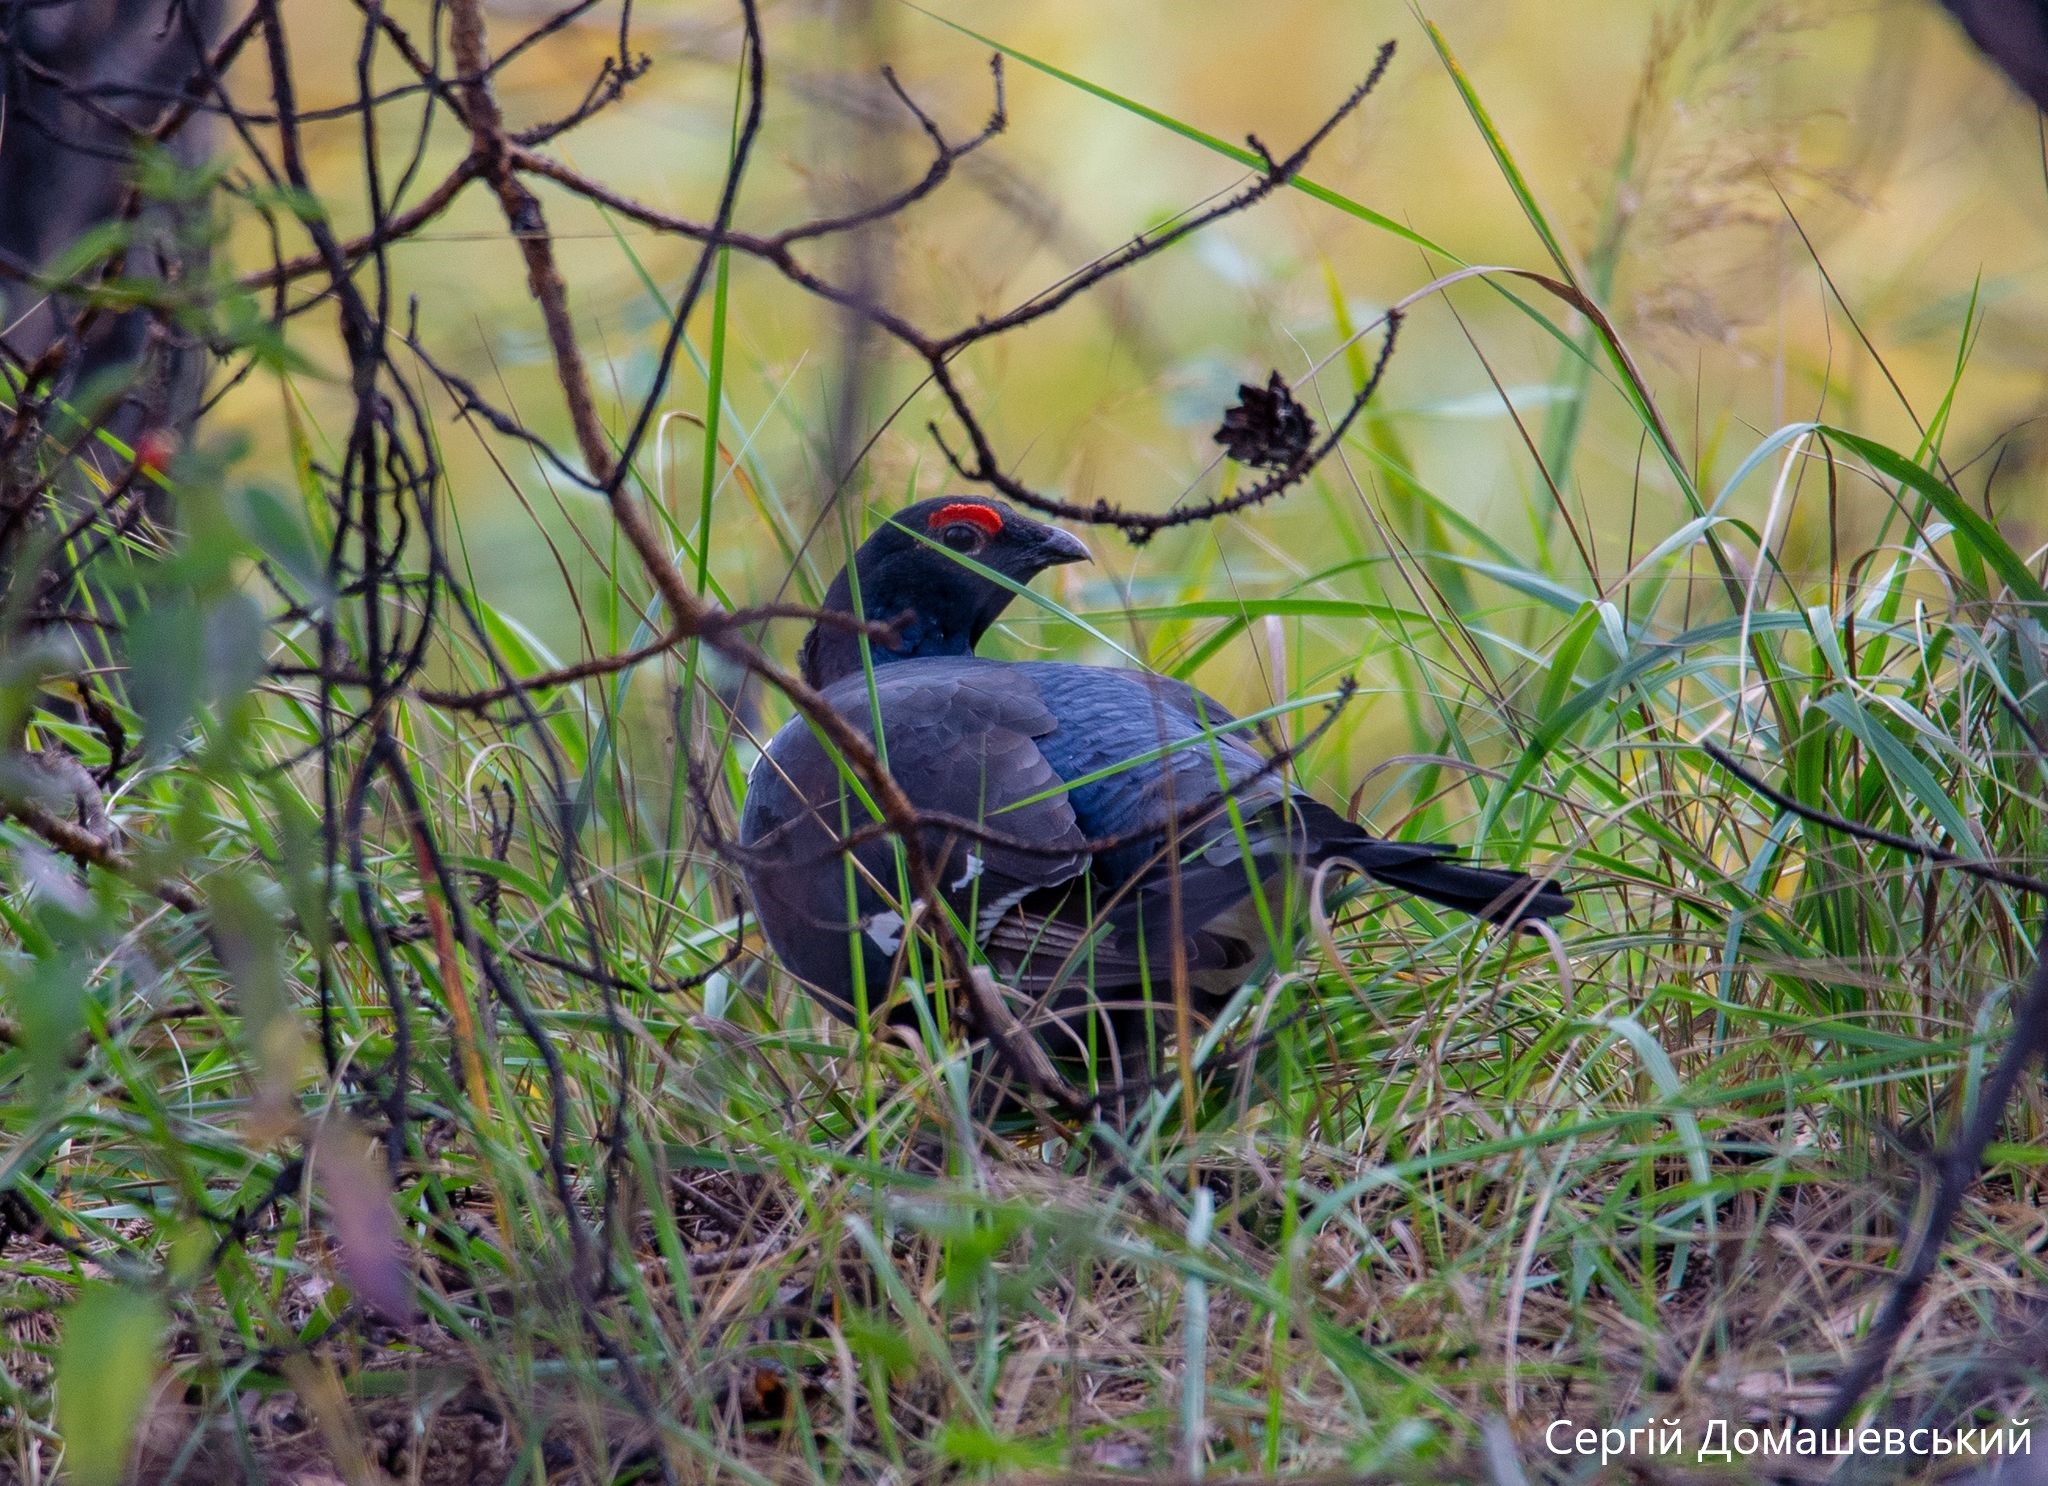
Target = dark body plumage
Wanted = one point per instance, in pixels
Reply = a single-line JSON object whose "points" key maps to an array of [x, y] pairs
{"points": [[1129, 823]]}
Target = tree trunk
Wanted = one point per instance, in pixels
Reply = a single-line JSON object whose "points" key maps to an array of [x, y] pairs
{"points": [[72, 75]]}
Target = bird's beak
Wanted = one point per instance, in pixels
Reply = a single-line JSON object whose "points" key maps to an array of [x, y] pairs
{"points": [[1060, 546]]}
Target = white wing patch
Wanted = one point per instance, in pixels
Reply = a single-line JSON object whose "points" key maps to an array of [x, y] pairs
{"points": [[974, 870], [993, 910], [886, 930]]}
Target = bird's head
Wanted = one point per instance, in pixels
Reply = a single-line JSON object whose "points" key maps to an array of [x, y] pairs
{"points": [[926, 569]]}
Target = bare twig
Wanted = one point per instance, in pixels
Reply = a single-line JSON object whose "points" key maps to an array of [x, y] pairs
{"points": [[1954, 1171], [1938, 856]]}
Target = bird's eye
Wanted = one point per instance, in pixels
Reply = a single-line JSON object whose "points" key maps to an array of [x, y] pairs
{"points": [[962, 536]]}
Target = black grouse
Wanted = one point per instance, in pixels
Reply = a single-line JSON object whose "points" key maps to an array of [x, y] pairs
{"points": [[1163, 842]]}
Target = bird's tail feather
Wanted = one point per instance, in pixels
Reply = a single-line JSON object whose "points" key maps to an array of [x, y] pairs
{"points": [[1485, 892], [1431, 872]]}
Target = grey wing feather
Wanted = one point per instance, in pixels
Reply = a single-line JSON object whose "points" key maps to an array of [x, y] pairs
{"points": [[962, 744]]}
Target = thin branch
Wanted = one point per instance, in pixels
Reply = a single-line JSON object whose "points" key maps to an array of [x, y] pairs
{"points": [[1955, 1170], [88, 849], [1935, 855]]}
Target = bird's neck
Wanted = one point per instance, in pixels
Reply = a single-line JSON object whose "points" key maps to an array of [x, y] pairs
{"points": [[832, 651]]}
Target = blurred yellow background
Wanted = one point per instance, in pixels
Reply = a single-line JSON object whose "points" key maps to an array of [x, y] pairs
{"points": [[1673, 144]]}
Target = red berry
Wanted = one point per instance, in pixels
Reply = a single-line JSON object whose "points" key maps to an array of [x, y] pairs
{"points": [[155, 449]]}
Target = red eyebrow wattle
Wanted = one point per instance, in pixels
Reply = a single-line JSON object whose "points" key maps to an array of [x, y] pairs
{"points": [[967, 511]]}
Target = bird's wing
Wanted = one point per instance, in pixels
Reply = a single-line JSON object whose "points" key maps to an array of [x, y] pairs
{"points": [[1147, 759], [962, 739]]}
